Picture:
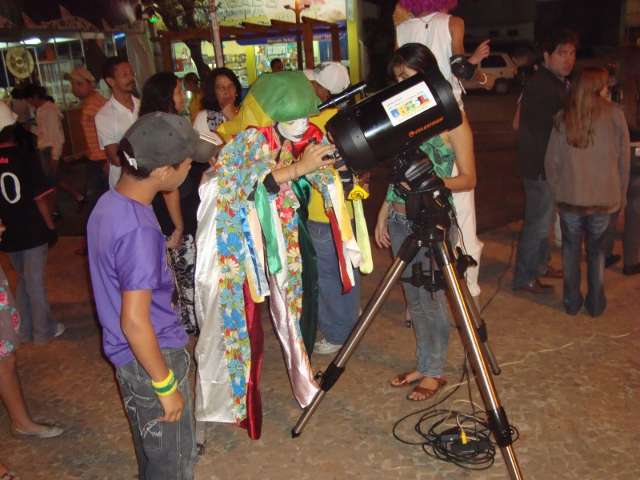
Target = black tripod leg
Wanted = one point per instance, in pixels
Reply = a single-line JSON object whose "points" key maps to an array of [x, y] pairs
{"points": [[498, 421], [480, 326], [330, 376]]}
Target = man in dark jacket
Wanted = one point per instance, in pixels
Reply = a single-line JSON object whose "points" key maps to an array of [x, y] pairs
{"points": [[542, 98]]}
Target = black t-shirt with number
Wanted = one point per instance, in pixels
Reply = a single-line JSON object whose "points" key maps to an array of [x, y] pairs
{"points": [[21, 182]]}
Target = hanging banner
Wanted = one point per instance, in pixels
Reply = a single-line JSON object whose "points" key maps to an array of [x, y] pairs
{"points": [[288, 39], [234, 12]]}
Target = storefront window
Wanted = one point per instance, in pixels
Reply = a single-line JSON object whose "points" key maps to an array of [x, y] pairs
{"points": [[249, 59], [237, 58], [287, 52], [52, 55], [54, 59]]}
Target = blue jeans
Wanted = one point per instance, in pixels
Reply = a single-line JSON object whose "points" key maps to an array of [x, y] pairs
{"points": [[337, 311], [37, 323], [165, 450], [533, 246], [428, 311], [574, 228]]}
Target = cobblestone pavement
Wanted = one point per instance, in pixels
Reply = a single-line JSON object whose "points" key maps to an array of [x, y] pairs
{"points": [[570, 385]]}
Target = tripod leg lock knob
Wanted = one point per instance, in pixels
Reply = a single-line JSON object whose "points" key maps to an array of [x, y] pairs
{"points": [[330, 376], [483, 334], [499, 425]]}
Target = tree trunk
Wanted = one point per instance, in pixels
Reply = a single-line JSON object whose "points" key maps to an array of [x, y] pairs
{"points": [[180, 14], [195, 47]]}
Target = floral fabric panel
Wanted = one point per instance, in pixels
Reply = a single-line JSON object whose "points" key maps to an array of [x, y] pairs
{"points": [[286, 206], [254, 263], [286, 286], [9, 319], [240, 164], [290, 285]]}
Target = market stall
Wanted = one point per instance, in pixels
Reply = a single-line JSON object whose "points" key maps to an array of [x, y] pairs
{"points": [[249, 47], [44, 56], [41, 53]]}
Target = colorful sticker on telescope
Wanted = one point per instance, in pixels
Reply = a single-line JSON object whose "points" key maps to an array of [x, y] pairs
{"points": [[409, 103]]}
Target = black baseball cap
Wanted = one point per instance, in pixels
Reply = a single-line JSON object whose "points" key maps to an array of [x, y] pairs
{"points": [[159, 139]]}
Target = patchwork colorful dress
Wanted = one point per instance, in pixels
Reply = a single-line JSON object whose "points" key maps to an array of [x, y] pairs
{"points": [[248, 243]]}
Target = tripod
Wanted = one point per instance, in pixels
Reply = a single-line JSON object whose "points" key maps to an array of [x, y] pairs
{"points": [[430, 219]]}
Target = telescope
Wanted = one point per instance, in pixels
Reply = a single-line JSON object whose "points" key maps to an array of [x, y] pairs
{"points": [[392, 125], [395, 120]]}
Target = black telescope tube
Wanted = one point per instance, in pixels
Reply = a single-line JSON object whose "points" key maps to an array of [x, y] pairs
{"points": [[395, 120], [341, 97]]}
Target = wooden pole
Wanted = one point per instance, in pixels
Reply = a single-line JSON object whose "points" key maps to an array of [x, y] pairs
{"points": [[307, 35], [297, 9], [298, 38], [215, 31], [335, 44]]}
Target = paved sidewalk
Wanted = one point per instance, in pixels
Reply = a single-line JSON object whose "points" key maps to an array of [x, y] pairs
{"points": [[570, 384]]}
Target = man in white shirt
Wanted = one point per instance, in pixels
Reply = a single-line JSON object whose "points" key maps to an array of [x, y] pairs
{"points": [[49, 130], [119, 113], [50, 134]]}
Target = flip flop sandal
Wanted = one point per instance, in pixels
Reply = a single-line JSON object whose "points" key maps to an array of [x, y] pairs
{"points": [[424, 392], [9, 476], [402, 381]]}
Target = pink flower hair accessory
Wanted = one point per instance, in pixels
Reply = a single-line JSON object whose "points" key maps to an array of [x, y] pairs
{"points": [[423, 7]]}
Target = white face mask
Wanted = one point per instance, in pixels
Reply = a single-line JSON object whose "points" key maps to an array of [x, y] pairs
{"points": [[293, 130]]}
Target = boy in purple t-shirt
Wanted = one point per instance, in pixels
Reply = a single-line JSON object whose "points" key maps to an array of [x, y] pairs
{"points": [[133, 287]]}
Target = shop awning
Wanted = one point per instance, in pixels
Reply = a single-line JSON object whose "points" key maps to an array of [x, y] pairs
{"points": [[253, 33]]}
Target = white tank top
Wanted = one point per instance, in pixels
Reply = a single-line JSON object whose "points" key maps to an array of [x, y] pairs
{"points": [[432, 31]]}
